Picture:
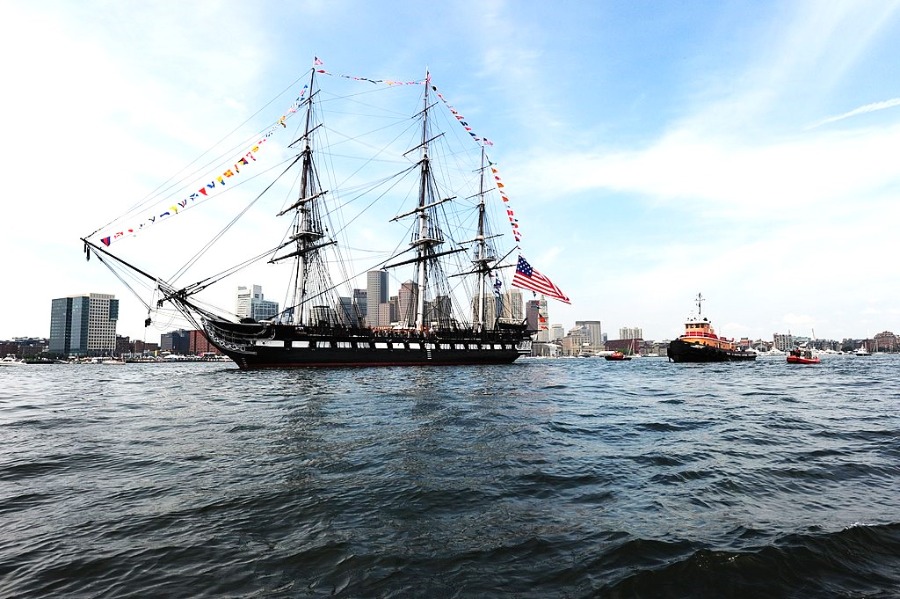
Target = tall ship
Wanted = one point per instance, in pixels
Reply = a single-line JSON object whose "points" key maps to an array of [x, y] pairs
{"points": [[700, 343], [354, 195]]}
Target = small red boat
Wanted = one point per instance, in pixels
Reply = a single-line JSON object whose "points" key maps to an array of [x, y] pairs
{"points": [[802, 356], [617, 355]]}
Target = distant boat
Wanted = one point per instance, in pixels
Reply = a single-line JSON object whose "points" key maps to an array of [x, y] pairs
{"points": [[699, 343], [802, 355], [11, 360], [108, 360], [862, 351], [617, 356]]}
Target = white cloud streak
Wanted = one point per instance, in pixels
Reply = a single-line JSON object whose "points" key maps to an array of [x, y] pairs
{"points": [[866, 109]]}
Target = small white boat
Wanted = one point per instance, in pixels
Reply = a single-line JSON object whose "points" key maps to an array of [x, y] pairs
{"points": [[11, 360], [862, 351], [108, 360]]}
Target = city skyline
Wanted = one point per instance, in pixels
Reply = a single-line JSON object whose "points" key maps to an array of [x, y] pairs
{"points": [[111, 300]]}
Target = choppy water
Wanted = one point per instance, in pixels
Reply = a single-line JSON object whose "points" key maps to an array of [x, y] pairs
{"points": [[547, 478]]}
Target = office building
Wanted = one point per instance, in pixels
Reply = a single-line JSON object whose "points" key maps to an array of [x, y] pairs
{"points": [[439, 312], [347, 313], [509, 305], [377, 295], [252, 304], [361, 303], [536, 317], [84, 325], [176, 342], [593, 331], [557, 332], [631, 333], [408, 303], [198, 344]]}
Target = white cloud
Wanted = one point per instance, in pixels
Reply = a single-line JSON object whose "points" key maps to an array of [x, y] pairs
{"points": [[866, 109]]}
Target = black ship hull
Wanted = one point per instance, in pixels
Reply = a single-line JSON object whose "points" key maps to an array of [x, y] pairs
{"points": [[686, 351], [262, 345]]}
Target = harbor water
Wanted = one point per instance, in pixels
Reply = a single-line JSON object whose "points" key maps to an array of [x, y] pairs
{"points": [[545, 478]]}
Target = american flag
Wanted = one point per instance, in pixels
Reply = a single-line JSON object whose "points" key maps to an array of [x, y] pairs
{"points": [[528, 278]]}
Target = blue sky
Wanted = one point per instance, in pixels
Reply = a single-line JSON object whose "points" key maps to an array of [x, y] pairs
{"points": [[653, 150]]}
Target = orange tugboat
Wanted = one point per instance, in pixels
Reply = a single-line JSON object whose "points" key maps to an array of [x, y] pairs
{"points": [[699, 343]]}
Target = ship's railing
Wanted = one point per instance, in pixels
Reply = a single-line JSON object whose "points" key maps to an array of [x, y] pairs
{"points": [[232, 340]]}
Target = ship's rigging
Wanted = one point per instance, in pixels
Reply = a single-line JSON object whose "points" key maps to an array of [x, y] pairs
{"points": [[458, 276]]}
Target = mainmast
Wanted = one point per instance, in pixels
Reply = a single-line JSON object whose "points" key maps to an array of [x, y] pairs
{"points": [[310, 276]]}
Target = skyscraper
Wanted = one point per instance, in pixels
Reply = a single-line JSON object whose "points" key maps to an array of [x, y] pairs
{"points": [[532, 314], [508, 304], [345, 312], [83, 325], [376, 294], [408, 302], [361, 301], [439, 312]]}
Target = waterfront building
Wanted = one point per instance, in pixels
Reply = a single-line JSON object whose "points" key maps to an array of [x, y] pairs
{"points": [[176, 342], [141, 347], [183, 342], [198, 344], [84, 325], [24, 347], [252, 304], [577, 342], [886, 341], [631, 333], [783, 342], [593, 331]]}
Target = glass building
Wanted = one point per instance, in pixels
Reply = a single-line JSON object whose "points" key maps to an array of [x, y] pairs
{"points": [[84, 325]]}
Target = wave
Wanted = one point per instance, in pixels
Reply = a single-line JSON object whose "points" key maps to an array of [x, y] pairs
{"points": [[859, 561]]}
